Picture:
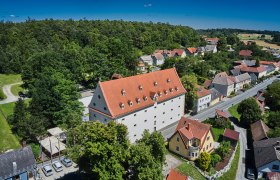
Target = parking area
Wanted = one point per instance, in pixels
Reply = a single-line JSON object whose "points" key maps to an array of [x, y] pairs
{"points": [[58, 175]]}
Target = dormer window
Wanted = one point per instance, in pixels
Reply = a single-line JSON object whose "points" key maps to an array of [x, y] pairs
{"points": [[171, 89], [140, 87], [155, 83], [168, 80], [165, 92], [130, 103], [138, 100], [123, 92], [145, 98], [176, 88], [122, 105], [159, 93]]}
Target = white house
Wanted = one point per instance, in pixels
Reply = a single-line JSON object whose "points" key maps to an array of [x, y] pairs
{"points": [[158, 59], [204, 98], [147, 59], [149, 101]]}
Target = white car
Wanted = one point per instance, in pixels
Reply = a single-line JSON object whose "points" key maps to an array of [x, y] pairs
{"points": [[47, 169], [57, 166]]}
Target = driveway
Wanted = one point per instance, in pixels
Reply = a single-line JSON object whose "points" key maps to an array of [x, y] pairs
{"points": [[9, 94], [171, 163]]}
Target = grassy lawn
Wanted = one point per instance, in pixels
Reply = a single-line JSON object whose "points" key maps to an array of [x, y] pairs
{"points": [[7, 139], [188, 169], [16, 89], [218, 133], [231, 174], [233, 111], [8, 79]]}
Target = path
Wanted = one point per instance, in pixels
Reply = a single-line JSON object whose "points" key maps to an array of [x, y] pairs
{"points": [[9, 94]]}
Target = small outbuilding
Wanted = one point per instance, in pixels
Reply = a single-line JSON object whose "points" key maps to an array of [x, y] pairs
{"points": [[232, 136]]}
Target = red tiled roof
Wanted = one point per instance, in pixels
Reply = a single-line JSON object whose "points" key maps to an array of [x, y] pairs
{"points": [[207, 83], [231, 134], [192, 50], [177, 51], [165, 83], [273, 175], [189, 128], [253, 69], [201, 91], [221, 113], [259, 130], [245, 53], [269, 62], [174, 175]]}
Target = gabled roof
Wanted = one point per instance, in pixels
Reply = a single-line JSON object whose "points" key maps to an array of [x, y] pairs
{"points": [[190, 129], [134, 92], [179, 52], [223, 79], [221, 113], [253, 69], [215, 94], [231, 134], [245, 53], [174, 175], [246, 62], [158, 56], [243, 77], [192, 50], [259, 130], [207, 83], [146, 58], [266, 151], [23, 158], [201, 91]]}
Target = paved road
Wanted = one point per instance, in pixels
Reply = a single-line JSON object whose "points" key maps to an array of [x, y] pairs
{"points": [[210, 112], [9, 94]]}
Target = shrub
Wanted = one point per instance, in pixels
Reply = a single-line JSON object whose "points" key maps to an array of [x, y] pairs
{"points": [[224, 149], [215, 158], [2, 95], [204, 161]]}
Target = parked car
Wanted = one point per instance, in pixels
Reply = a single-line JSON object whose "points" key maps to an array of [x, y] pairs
{"points": [[250, 173], [57, 166], [66, 161], [47, 169]]}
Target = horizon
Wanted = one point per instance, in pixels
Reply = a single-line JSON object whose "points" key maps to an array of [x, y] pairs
{"points": [[202, 15]]}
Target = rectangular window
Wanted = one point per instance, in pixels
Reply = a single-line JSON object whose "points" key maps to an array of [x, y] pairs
{"points": [[207, 147], [155, 116], [145, 110], [163, 113], [192, 154], [162, 122], [208, 138], [178, 139], [275, 167], [177, 148], [145, 120], [134, 125], [155, 128], [123, 119], [155, 123], [210, 144], [134, 114]]}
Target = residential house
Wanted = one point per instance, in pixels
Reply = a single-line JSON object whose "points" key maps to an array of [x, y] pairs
{"points": [[259, 130], [204, 98], [242, 80], [147, 59], [211, 48], [165, 53], [17, 164], [212, 41], [245, 53], [260, 99], [223, 84], [178, 53], [192, 51], [201, 50], [232, 136], [258, 71], [141, 67], [272, 176], [158, 59], [267, 155], [191, 138], [207, 83], [175, 175], [248, 63], [149, 101], [273, 65], [216, 96]]}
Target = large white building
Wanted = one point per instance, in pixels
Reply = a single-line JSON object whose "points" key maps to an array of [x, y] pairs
{"points": [[149, 101]]}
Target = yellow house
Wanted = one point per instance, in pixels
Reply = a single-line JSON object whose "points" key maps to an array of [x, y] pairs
{"points": [[191, 138]]}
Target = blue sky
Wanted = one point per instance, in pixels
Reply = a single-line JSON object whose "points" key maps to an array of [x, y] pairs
{"points": [[245, 14]]}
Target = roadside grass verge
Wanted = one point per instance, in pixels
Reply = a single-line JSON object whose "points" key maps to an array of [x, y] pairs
{"points": [[8, 79], [231, 174], [15, 89], [7, 139], [233, 111]]}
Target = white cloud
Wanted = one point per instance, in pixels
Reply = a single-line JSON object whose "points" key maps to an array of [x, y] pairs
{"points": [[12, 15], [148, 5]]}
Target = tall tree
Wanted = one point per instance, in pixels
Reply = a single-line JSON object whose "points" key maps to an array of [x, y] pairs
{"points": [[272, 96], [204, 161], [189, 82], [249, 111]]}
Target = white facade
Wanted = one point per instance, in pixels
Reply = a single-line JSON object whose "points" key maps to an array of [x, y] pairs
{"points": [[203, 102], [151, 118]]}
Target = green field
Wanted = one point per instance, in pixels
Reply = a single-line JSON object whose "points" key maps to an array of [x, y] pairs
{"points": [[231, 174], [253, 36], [7, 139], [189, 170], [233, 111], [218, 133], [8, 79], [16, 89]]}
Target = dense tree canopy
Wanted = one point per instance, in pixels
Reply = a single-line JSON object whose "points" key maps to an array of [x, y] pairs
{"points": [[272, 96]]}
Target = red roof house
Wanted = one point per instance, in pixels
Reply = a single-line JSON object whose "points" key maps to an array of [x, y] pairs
{"points": [[245, 53], [174, 175], [231, 135]]}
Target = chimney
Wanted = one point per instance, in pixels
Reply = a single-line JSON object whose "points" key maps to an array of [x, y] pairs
{"points": [[188, 126], [14, 167]]}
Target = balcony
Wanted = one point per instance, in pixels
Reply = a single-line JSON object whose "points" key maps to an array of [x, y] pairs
{"points": [[194, 148]]}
